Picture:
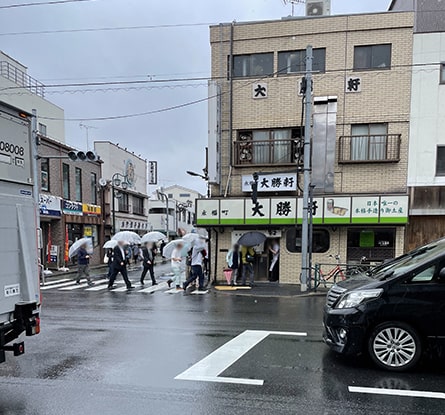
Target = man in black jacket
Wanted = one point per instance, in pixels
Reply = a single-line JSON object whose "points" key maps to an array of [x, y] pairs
{"points": [[147, 262], [119, 265]]}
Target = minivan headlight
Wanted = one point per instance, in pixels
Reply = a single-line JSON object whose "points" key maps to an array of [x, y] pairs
{"points": [[354, 298]]}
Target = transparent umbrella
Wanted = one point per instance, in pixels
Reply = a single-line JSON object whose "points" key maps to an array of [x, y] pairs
{"points": [[153, 237], [168, 249], [127, 236], [74, 248], [110, 244]]}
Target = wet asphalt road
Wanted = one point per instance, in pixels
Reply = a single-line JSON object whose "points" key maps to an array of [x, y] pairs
{"points": [[118, 353]]}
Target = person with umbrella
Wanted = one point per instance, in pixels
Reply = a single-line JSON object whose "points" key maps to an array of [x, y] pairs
{"points": [[233, 262], [247, 259], [196, 264], [119, 265], [148, 263], [178, 265], [83, 261]]}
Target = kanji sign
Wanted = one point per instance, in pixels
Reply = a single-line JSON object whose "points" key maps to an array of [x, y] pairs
{"points": [[152, 172], [259, 90], [353, 84], [281, 182], [91, 210], [374, 209]]}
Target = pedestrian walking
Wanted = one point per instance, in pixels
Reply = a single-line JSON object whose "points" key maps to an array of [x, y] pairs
{"points": [[178, 266], [274, 249], [233, 262], [161, 248], [136, 252], [83, 261], [196, 264], [119, 266], [109, 260], [247, 258], [148, 263]]}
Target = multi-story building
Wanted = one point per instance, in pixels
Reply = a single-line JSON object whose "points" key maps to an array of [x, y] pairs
{"points": [[22, 91], [70, 202], [181, 208], [361, 97], [124, 183], [426, 162]]}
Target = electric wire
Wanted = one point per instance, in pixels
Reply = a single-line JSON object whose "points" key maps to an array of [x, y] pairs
{"points": [[42, 3]]}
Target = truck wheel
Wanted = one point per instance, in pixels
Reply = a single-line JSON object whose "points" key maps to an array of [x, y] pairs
{"points": [[395, 346]]}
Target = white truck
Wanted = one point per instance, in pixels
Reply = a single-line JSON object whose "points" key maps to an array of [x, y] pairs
{"points": [[19, 265]]}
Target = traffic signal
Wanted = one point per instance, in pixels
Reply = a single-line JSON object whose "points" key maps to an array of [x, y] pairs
{"points": [[83, 156], [314, 207]]}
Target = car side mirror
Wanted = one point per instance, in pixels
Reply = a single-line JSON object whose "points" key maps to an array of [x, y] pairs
{"points": [[442, 275]]}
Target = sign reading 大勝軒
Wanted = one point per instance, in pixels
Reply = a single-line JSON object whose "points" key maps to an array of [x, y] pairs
{"points": [[329, 210], [279, 182]]}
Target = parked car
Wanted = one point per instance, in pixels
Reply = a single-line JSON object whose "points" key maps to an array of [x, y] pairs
{"points": [[393, 313]]}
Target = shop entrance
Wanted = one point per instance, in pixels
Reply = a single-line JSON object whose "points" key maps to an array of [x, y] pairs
{"points": [[264, 261], [375, 244]]}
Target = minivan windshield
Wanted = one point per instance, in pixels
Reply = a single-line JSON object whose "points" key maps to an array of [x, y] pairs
{"points": [[409, 261]]}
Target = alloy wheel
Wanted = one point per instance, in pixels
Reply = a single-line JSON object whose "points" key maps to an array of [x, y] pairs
{"points": [[394, 347]]}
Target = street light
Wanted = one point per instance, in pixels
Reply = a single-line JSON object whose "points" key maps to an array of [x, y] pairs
{"points": [[117, 180], [204, 176]]}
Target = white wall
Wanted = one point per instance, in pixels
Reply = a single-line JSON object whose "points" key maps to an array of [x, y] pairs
{"points": [[118, 160], [427, 110], [25, 100]]}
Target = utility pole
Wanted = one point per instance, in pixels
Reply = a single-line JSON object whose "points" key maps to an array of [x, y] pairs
{"points": [[305, 267]]}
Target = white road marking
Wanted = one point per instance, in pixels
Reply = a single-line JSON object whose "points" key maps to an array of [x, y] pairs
{"points": [[55, 282], [397, 392], [56, 286], [152, 289], [83, 285], [99, 287], [197, 292], [209, 368], [174, 291]]}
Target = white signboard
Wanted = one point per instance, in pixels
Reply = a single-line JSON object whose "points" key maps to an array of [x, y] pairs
{"points": [[258, 212], [353, 84], [259, 90], [337, 210], [232, 211], [152, 172], [277, 182]]}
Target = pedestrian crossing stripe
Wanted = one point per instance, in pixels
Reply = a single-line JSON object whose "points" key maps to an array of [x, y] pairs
{"points": [[198, 292], [84, 285], [48, 283]]}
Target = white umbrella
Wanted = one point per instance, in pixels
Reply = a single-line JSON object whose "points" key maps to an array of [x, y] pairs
{"points": [[168, 249], [201, 232], [110, 244], [153, 237], [190, 238], [74, 248], [127, 236]]}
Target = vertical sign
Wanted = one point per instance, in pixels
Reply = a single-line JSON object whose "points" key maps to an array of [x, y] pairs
{"points": [[152, 172]]}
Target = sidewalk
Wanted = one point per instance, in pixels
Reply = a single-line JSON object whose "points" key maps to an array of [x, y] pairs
{"points": [[267, 289]]}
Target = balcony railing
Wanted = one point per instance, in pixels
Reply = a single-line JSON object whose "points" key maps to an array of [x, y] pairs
{"points": [[21, 79], [124, 208], [369, 149], [138, 210], [267, 152]]}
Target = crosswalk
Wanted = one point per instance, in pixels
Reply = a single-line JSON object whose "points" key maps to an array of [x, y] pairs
{"points": [[101, 285]]}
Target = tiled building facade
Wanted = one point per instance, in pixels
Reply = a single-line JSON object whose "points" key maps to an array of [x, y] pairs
{"points": [[361, 96]]}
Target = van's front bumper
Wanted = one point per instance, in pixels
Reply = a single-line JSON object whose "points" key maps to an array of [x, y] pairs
{"points": [[345, 330]]}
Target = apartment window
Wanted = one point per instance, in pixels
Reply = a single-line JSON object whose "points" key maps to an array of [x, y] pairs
{"points": [[184, 194], [295, 61], [93, 182], [78, 184], [123, 202], [66, 181], [369, 142], [138, 205], [320, 240], [372, 57], [442, 73], [44, 174], [258, 64], [267, 146], [440, 161], [170, 195]]}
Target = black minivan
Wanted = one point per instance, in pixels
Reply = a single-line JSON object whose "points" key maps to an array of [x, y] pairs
{"points": [[393, 312]]}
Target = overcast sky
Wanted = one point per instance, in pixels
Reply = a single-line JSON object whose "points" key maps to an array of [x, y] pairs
{"points": [[177, 138]]}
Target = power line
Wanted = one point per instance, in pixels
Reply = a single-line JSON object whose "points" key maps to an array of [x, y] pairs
{"points": [[105, 29], [41, 3]]}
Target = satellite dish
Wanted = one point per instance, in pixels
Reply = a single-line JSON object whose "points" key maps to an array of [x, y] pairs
{"points": [[103, 182]]}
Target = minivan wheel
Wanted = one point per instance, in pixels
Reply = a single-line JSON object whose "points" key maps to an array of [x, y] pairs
{"points": [[395, 346]]}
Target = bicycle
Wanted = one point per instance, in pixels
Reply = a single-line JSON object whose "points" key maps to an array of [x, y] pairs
{"points": [[333, 274]]}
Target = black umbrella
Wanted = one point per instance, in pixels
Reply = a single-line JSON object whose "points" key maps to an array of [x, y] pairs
{"points": [[252, 239]]}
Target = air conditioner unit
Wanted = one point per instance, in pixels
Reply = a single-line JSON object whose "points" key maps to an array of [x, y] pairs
{"points": [[318, 8]]}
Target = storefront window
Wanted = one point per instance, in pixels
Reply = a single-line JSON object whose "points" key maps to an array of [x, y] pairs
{"points": [[320, 240], [376, 245], [90, 231]]}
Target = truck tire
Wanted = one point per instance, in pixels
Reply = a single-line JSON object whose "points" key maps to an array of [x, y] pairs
{"points": [[395, 346]]}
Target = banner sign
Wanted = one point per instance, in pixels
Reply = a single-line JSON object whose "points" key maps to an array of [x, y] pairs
{"points": [[152, 172], [132, 225], [331, 210], [50, 205], [91, 210], [72, 208], [274, 182]]}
